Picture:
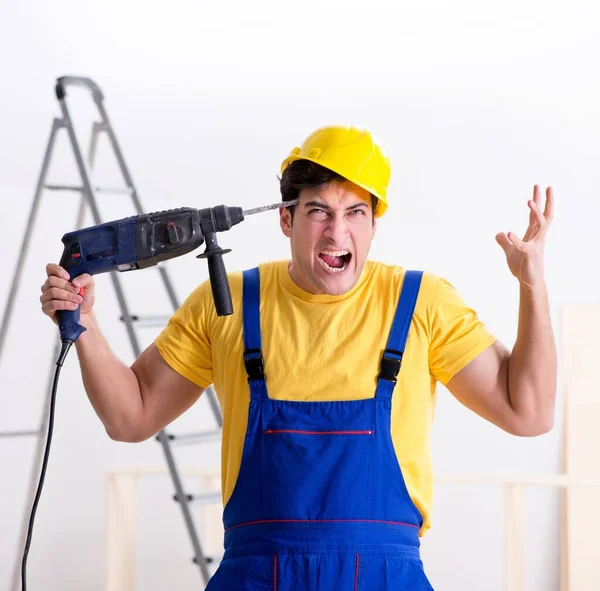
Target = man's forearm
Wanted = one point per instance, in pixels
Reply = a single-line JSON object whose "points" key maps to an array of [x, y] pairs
{"points": [[532, 367], [111, 386]]}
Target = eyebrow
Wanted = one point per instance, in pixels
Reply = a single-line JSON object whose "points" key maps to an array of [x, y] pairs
{"points": [[325, 206]]}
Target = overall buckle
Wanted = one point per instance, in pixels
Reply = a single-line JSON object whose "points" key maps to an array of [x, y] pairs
{"points": [[255, 364], [390, 365]]}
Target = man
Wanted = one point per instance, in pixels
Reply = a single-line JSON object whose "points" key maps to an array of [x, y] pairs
{"points": [[326, 375]]}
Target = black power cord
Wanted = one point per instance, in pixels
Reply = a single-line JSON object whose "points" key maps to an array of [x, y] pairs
{"points": [[66, 345]]}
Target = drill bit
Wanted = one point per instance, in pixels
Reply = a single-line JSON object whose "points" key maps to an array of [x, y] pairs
{"points": [[248, 212]]}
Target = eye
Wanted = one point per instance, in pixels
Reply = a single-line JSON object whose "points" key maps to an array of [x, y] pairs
{"points": [[358, 211], [315, 211]]}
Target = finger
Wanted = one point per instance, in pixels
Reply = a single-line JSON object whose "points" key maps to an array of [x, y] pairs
{"points": [[548, 211], [516, 241], [531, 229], [536, 193], [537, 196], [83, 280], [54, 281], [50, 308], [56, 270], [504, 242], [549, 208], [537, 212], [56, 293]]}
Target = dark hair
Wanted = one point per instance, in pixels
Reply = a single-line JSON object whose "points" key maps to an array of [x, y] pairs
{"points": [[304, 174]]}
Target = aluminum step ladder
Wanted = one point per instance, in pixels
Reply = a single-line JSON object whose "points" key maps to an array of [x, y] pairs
{"points": [[132, 322]]}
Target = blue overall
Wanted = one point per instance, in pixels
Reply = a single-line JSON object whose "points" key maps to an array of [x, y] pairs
{"points": [[320, 502]]}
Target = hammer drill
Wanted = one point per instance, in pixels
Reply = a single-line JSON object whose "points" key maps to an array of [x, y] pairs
{"points": [[144, 240]]}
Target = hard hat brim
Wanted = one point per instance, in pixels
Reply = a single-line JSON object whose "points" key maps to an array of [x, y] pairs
{"points": [[382, 204]]}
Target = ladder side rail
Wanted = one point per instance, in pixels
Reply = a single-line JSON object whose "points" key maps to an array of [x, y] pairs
{"points": [[43, 427], [56, 125]]}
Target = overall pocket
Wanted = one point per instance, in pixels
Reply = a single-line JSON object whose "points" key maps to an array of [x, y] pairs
{"points": [[316, 474]]}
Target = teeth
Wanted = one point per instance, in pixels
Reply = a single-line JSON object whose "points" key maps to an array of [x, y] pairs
{"points": [[335, 253], [332, 269]]}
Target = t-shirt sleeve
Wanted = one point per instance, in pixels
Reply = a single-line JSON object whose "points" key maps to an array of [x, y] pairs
{"points": [[457, 334], [185, 343]]}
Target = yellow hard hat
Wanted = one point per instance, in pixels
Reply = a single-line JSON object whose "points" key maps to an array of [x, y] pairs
{"points": [[351, 152]]}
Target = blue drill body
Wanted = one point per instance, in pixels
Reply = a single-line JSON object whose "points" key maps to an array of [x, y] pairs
{"points": [[145, 240]]}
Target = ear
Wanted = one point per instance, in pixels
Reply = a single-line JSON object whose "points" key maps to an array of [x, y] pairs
{"points": [[285, 221]]}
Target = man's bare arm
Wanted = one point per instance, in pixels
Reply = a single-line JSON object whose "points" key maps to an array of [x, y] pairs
{"points": [[517, 390], [166, 394], [136, 402], [133, 403]]}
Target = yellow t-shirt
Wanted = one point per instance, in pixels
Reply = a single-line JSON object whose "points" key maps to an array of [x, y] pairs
{"points": [[323, 347]]}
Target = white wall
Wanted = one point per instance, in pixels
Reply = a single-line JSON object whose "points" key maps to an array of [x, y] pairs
{"points": [[475, 103]]}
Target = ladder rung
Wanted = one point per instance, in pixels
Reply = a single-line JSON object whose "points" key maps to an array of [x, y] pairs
{"points": [[148, 321], [19, 433], [208, 559], [78, 188], [194, 438], [202, 498]]}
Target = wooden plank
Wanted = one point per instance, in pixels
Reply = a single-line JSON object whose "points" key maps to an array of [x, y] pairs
{"points": [[580, 363], [211, 522], [513, 538], [121, 532]]}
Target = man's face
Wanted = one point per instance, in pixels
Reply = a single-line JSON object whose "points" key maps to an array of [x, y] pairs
{"points": [[330, 237]]}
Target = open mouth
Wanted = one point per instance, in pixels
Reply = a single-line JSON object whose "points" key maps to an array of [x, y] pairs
{"points": [[334, 261]]}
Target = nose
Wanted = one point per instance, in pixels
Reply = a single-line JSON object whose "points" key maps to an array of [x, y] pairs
{"points": [[336, 230]]}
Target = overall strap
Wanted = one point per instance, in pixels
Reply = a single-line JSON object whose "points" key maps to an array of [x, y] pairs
{"points": [[253, 357], [392, 356]]}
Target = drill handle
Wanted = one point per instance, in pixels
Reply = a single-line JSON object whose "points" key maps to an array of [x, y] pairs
{"points": [[218, 275], [68, 320], [220, 285], [68, 325]]}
